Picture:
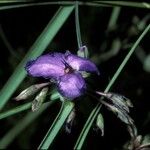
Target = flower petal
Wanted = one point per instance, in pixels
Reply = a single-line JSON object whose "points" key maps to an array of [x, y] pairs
{"points": [[80, 64], [47, 66], [71, 85]]}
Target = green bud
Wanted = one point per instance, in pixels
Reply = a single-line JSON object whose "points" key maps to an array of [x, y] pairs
{"points": [[100, 123], [30, 91], [83, 52], [118, 100], [39, 99], [70, 121]]}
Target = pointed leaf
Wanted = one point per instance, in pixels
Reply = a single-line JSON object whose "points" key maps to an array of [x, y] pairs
{"points": [[57, 125], [37, 49]]}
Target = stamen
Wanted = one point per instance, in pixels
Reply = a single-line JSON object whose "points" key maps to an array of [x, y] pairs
{"points": [[67, 70]]}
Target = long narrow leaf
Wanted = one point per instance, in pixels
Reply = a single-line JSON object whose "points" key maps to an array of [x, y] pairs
{"points": [[38, 47], [95, 111], [114, 17], [144, 5], [57, 125], [126, 3], [15, 110], [117, 73], [11, 1], [77, 23], [87, 127], [19, 127], [24, 107]]}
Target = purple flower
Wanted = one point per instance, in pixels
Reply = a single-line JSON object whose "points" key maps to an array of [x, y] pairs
{"points": [[65, 69], [71, 85]]}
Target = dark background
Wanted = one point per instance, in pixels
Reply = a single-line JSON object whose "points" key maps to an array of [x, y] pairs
{"points": [[22, 26]]}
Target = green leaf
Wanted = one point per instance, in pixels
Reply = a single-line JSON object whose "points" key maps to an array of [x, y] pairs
{"points": [[91, 118], [15, 110], [144, 5], [24, 107], [114, 17], [20, 126], [65, 110], [38, 47], [87, 127], [11, 1], [146, 64], [124, 62], [77, 23], [125, 3]]}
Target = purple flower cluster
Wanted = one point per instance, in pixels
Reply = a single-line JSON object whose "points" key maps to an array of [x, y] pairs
{"points": [[65, 69]]}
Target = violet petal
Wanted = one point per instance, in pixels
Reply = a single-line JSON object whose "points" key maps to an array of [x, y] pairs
{"points": [[80, 64], [47, 66], [71, 85]]}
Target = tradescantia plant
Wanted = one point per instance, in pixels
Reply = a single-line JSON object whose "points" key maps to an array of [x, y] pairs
{"points": [[67, 71]]}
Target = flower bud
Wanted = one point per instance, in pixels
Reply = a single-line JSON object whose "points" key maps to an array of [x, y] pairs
{"points": [[100, 123], [83, 52], [70, 121], [39, 99], [30, 91]]}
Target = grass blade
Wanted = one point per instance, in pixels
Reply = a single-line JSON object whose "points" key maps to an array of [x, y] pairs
{"points": [[78, 33], [144, 5], [65, 110], [24, 107], [38, 47], [11, 1], [96, 110], [126, 59], [87, 127], [7, 43], [19, 127], [114, 17], [15, 110], [125, 3]]}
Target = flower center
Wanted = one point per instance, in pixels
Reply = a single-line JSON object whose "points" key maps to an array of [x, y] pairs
{"points": [[68, 70]]}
